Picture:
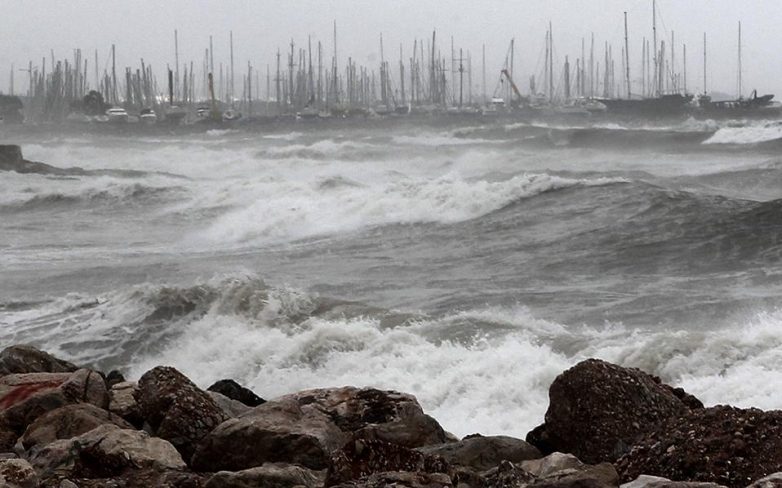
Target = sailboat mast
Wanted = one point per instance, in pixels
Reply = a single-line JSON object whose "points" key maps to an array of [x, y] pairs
{"points": [[654, 44], [231, 90], [176, 60], [684, 55], [704, 63], [740, 90], [551, 62], [627, 60]]}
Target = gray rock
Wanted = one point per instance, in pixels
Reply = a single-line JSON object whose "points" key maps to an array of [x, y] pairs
{"points": [[646, 481], [277, 431], [104, 452], [122, 402], [231, 408], [235, 391], [67, 422], [270, 474], [552, 464], [483, 453]]}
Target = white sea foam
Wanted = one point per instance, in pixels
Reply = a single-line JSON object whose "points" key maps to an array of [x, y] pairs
{"points": [[286, 210], [748, 134], [493, 381]]}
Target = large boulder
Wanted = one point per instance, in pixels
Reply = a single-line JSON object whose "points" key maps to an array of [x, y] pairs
{"points": [[17, 473], [724, 445], [235, 391], [482, 453], [25, 397], [270, 474], [176, 409], [277, 431], [122, 402], [27, 359], [67, 422], [360, 458], [308, 426], [597, 410], [104, 452]]}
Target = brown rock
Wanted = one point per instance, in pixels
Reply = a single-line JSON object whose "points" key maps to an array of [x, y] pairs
{"points": [[312, 424], [27, 359], [724, 445], [66, 422], [771, 481], [402, 479], [597, 410], [481, 453], [270, 474], [277, 431], [360, 458], [602, 475], [176, 408], [17, 473], [25, 397]]}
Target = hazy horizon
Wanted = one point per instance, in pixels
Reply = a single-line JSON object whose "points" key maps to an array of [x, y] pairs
{"points": [[145, 30]]}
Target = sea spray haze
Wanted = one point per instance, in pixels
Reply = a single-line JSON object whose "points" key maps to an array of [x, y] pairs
{"points": [[468, 266]]}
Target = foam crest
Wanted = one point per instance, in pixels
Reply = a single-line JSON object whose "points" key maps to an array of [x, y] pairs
{"points": [[750, 134], [295, 210]]}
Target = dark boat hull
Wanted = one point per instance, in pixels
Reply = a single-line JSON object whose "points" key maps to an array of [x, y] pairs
{"points": [[663, 106]]}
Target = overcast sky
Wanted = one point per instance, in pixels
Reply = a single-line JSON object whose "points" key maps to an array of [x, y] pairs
{"points": [[145, 29]]}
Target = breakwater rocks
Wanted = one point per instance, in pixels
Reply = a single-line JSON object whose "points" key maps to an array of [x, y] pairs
{"points": [[66, 426]]}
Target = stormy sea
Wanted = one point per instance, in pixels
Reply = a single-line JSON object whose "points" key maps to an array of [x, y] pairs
{"points": [[467, 264]]}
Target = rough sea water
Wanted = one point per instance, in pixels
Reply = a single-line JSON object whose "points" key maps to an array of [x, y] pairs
{"points": [[467, 265]]}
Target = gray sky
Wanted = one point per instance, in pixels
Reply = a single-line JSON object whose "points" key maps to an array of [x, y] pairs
{"points": [[144, 29]]}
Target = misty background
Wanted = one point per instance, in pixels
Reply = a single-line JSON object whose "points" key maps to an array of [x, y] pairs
{"points": [[144, 29]]}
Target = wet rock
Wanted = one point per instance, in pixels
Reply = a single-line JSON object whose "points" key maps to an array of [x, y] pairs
{"points": [[270, 474], [506, 475], [17, 473], [231, 408], [104, 452], [25, 397], [401, 479], [176, 408], [278, 431], [114, 377], [646, 481], [123, 403], [235, 391], [723, 445], [360, 458], [67, 422], [27, 359], [597, 410], [482, 453]]}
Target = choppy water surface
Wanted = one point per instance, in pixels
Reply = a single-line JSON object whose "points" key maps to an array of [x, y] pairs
{"points": [[467, 265]]}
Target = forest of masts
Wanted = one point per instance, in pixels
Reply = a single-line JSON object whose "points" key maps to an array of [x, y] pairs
{"points": [[307, 77]]}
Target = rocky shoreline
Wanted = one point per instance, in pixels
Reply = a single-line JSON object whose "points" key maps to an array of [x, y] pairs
{"points": [[606, 426]]}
